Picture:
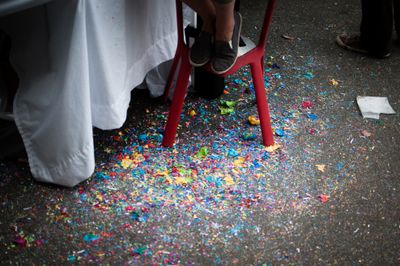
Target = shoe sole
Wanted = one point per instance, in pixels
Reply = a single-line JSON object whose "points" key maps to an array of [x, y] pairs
{"points": [[360, 51], [238, 41], [198, 64], [345, 46]]}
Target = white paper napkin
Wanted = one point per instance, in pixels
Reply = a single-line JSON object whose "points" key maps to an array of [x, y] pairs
{"points": [[371, 107]]}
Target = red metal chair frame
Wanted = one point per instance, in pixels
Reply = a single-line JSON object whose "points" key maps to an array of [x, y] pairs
{"points": [[254, 58]]}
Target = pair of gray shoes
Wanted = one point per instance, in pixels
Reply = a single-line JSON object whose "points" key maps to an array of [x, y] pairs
{"points": [[222, 54]]}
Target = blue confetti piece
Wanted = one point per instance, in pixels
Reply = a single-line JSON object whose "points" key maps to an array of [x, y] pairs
{"points": [[277, 75], [196, 220], [308, 75], [265, 156], [251, 87], [139, 250], [101, 175], [142, 137], [279, 132], [339, 166], [313, 117], [143, 218], [135, 216], [90, 238], [256, 164], [232, 153]]}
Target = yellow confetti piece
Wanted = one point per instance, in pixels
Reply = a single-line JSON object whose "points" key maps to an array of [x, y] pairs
{"points": [[192, 113], [239, 162], [229, 180], [180, 180], [273, 148], [126, 163], [253, 120], [333, 82], [321, 167]]}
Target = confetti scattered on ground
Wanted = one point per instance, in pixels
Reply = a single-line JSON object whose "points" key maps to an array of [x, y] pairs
{"points": [[149, 204], [219, 197]]}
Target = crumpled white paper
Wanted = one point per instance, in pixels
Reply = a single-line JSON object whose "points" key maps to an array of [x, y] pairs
{"points": [[371, 107]]}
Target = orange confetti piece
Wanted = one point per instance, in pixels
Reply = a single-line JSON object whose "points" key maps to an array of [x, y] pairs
{"points": [[321, 167], [253, 120], [323, 198]]}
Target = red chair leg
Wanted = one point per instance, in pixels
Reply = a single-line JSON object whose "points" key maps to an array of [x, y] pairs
{"points": [[177, 101], [171, 74], [262, 105], [262, 65]]}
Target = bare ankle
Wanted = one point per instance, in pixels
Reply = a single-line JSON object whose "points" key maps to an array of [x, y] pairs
{"points": [[224, 32], [209, 25]]}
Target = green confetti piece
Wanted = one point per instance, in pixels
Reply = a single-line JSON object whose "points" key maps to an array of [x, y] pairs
{"points": [[229, 104], [202, 152], [226, 111]]}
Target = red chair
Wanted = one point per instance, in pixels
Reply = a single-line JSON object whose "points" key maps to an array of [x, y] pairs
{"points": [[254, 57]]}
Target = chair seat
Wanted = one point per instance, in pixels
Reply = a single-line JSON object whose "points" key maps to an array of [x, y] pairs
{"points": [[249, 45]]}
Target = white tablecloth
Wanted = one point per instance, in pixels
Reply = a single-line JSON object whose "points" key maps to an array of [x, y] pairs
{"points": [[78, 61]]}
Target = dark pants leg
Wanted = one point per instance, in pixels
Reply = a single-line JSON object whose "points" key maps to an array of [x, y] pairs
{"points": [[11, 144], [396, 7], [237, 5], [377, 25]]}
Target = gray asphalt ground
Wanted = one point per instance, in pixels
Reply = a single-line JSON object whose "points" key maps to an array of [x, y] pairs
{"points": [[362, 225], [359, 224]]}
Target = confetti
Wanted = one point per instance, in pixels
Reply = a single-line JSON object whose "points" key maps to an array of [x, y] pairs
{"points": [[321, 167], [323, 198], [366, 133], [333, 82], [192, 113], [253, 120], [205, 197]]}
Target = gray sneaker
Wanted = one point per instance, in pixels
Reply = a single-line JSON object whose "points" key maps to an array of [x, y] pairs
{"points": [[225, 53], [200, 52]]}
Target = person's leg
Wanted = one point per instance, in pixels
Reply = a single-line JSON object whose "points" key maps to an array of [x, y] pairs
{"points": [[206, 10], [224, 19], [396, 7], [377, 26], [8, 76]]}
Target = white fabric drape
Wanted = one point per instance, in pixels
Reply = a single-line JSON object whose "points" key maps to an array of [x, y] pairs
{"points": [[77, 61]]}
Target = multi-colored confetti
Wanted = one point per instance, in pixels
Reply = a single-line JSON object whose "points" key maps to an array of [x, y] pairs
{"points": [[218, 196]]}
